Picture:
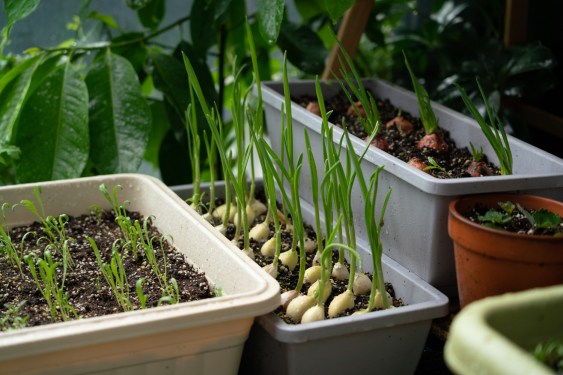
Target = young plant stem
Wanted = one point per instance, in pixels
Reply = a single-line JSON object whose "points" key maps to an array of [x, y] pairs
{"points": [[373, 228], [427, 115], [493, 130]]}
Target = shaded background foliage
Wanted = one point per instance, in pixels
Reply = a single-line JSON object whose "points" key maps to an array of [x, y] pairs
{"points": [[108, 92]]}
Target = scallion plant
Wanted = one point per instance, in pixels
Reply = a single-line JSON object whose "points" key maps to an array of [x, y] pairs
{"points": [[239, 182], [493, 129], [373, 226], [353, 87], [427, 115]]}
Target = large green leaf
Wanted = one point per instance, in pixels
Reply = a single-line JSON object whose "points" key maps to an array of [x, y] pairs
{"points": [[13, 97], [337, 8], [171, 79], [203, 29], [120, 118], [160, 127], [53, 128], [152, 13], [271, 16], [133, 49], [304, 48], [18, 9]]}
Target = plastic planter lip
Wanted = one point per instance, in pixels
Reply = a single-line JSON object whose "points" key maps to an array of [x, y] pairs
{"points": [[418, 208], [495, 335], [537, 175], [251, 293]]}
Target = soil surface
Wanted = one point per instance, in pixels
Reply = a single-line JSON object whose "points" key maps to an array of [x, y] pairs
{"points": [[88, 292], [402, 143], [517, 221]]}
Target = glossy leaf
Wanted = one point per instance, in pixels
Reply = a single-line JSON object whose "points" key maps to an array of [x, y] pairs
{"points": [[12, 98], [304, 48], [202, 28], [271, 16], [120, 118], [527, 58], [171, 79], [53, 128], [336, 9], [152, 13], [159, 129], [133, 49], [18, 9]]}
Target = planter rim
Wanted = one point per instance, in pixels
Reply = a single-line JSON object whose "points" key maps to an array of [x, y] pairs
{"points": [[474, 345], [423, 181], [474, 199], [263, 297]]}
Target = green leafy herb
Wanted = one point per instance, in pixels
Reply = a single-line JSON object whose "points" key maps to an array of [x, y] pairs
{"points": [[433, 164]]}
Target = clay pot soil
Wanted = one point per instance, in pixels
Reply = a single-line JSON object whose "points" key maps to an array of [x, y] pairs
{"points": [[402, 135], [89, 293], [492, 261]]}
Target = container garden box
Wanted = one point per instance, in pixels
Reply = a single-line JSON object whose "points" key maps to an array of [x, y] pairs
{"points": [[205, 336], [496, 335], [416, 219], [389, 341], [491, 261]]}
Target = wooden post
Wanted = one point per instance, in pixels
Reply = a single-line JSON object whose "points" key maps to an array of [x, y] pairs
{"points": [[349, 34], [515, 22]]}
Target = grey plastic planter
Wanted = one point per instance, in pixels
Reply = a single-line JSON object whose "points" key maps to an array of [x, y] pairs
{"points": [[416, 233], [496, 335], [385, 342], [203, 337]]}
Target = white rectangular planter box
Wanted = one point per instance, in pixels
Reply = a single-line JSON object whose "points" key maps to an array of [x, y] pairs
{"points": [[386, 342], [415, 231], [496, 335], [200, 337]]}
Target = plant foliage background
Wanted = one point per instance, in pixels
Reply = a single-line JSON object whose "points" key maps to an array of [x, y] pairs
{"points": [[114, 95]]}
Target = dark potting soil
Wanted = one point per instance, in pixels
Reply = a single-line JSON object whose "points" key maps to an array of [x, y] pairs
{"points": [[288, 278], [88, 292], [456, 162], [516, 222]]}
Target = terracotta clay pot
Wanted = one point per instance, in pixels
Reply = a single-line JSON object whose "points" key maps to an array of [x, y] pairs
{"points": [[490, 262]]}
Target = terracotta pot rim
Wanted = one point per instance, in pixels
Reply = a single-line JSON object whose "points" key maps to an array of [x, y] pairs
{"points": [[453, 210]]}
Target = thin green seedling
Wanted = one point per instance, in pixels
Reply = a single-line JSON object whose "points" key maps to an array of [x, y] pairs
{"points": [[211, 150], [292, 203], [215, 123], [117, 207], [53, 227], [354, 88], [194, 146], [170, 294], [7, 247], [433, 165], [326, 264], [11, 319], [114, 274], [141, 296], [343, 184], [427, 116], [47, 283], [476, 154], [493, 129]]}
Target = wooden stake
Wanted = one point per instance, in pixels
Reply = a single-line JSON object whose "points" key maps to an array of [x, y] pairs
{"points": [[349, 34]]}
